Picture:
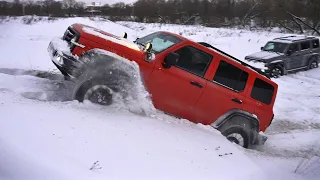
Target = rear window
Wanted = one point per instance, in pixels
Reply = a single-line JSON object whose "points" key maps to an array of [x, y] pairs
{"points": [[305, 45], [262, 91], [231, 76]]}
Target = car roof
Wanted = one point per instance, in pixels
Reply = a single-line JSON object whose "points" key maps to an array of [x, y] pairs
{"points": [[229, 57], [293, 38]]}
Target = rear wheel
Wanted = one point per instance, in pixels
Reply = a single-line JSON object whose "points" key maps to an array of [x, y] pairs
{"points": [[238, 135], [313, 64]]}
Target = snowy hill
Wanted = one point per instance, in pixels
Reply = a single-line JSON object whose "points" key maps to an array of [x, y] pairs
{"points": [[44, 135]]}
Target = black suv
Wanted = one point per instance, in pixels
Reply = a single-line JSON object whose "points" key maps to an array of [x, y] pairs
{"points": [[288, 54]]}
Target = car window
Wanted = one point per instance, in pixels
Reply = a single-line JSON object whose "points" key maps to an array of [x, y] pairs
{"points": [[160, 41], [305, 45], [275, 47], [294, 47], [193, 60], [315, 43], [231, 76], [262, 91]]}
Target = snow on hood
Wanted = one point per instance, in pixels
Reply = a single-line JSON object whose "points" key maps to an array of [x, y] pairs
{"points": [[265, 55], [118, 40], [61, 45], [258, 65]]}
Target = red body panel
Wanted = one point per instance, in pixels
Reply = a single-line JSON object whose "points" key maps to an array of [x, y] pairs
{"points": [[171, 90]]}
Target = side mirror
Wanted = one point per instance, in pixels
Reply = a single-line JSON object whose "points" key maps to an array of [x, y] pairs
{"points": [[261, 48], [148, 47], [171, 60], [125, 35]]}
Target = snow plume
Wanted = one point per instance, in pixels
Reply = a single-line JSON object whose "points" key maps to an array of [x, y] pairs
{"points": [[133, 95]]}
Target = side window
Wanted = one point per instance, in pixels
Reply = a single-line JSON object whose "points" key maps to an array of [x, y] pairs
{"points": [[315, 43], [305, 45], [294, 48], [262, 91], [193, 60], [230, 76]]}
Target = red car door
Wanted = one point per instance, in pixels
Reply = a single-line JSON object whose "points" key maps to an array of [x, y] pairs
{"points": [[262, 96], [224, 92], [177, 89]]}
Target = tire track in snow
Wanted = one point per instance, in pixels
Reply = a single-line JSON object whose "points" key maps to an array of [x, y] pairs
{"points": [[35, 84]]}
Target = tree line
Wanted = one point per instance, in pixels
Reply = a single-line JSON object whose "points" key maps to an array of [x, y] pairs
{"points": [[292, 15]]}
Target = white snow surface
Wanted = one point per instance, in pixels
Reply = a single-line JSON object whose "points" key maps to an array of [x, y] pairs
{"points": [[45, 135]]}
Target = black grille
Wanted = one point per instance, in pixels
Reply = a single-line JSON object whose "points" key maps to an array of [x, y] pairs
{"points": [[69, 34]]}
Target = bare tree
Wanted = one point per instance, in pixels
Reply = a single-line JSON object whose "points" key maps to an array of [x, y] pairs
{"points": [[69, 5]]}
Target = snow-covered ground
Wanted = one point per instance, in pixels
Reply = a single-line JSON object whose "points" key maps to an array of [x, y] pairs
{"points": [[44, 135]]}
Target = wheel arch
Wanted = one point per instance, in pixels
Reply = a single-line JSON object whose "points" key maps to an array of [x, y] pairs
{"points": [[237, 117], [97, 59], [278, 62], [314, 55]]}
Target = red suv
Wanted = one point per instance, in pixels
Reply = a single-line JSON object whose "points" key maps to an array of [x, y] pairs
{"points": [[187, 79]]}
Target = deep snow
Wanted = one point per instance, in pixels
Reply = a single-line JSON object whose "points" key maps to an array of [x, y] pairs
{"points": [[44, 135]]}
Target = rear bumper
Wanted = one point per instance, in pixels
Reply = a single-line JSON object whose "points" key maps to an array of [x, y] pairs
{"points": [[64, 61], [260, 139]]}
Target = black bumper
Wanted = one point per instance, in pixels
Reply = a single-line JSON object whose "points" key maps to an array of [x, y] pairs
{"points": [[67, 64], [259, 139]]}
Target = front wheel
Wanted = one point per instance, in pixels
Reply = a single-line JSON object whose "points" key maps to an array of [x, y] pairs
{"points": [[237, 135], [276, 71], [96, 91]]}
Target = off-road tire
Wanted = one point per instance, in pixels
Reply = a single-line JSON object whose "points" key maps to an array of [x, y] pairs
{"points": [[117, 82], [276, 71], [313, 64], [234, 132], [99, 72], [92, 88]]}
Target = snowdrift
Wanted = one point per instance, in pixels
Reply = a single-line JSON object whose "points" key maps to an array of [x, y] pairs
{"points": [[45, 135]]}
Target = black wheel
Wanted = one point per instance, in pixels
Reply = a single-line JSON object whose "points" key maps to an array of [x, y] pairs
{"points": [[313, 64], [96, 91], [237, 135], [276, 71]]}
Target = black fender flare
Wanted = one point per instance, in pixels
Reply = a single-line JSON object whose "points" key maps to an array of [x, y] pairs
{"points": [[98, 58], [279, 63], [313, 55], [238, 117]]}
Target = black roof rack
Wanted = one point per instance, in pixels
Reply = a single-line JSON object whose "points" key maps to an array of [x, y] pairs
{"points": [[294, 40], [285, 37], [228, 55]]}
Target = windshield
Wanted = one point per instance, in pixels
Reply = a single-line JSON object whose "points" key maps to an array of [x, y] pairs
{"points": [[160, 41], [275, 47]]}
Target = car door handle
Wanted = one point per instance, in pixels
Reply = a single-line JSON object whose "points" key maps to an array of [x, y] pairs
{"points": [[236, 100], [196, 84]]}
